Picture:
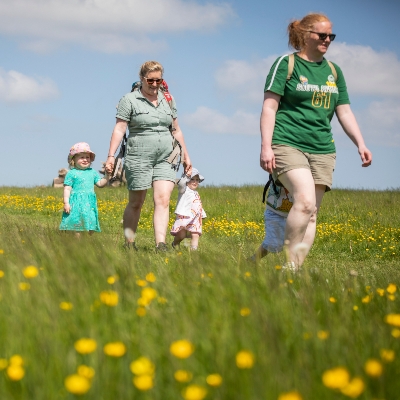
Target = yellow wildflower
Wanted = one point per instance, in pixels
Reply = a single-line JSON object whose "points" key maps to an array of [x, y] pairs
{"points": [[323, 335], [181, 348], [141, 282], [85, 345], [355, 308], [278, 267], [1, 273], [143, 382], [391, 297], [1, 251], [142, 366], [380, 291], [354, 388], [65, 305], [141, 311], [396, 333], [142, 301], [24, 286], [77, 384], [30, 272], [182, 376], [114, 349], [16, 359], [247, 274], [245, 359], [149, 293], [373, 368], [150, 277], [245, 311], [290, 396], [194, 392], [393, 319], [109, 298], [366, 299], [387, 355], [3, 363], [111, 280], [214, 380], [336, 378], [162, 300], [15, 372], [85, 371], [391, 289], [332, 299]]}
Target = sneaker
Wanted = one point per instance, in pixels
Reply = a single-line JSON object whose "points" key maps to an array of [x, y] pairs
{"points": [[130, 246], [162, 248]]}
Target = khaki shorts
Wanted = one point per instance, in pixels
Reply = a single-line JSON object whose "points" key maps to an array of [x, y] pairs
{"points": [[146, 160], [320, 165]]}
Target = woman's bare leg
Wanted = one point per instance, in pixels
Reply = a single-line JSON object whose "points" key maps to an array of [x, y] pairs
{"points": [[300, 184], [132, 212], [162, 195]]}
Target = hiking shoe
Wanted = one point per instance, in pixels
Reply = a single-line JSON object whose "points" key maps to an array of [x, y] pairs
{"points": [[162, 248], [130, 246]]}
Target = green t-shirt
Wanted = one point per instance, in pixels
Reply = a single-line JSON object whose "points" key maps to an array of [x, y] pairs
{"points": [[307, 104]]}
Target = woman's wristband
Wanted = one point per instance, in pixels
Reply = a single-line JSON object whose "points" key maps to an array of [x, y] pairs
{"points": [[111, 156]]}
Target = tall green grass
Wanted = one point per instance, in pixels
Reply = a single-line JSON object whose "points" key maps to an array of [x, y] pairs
{"points": [[296, 325]]}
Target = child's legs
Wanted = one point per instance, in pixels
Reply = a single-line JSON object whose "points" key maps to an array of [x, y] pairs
{"points": [[195, 240], [179, 237], [91, 233], [274, 232]]}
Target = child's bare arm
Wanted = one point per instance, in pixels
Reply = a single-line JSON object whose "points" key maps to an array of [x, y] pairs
{"points": [[103, 181], [182, 183], [67, 193]]}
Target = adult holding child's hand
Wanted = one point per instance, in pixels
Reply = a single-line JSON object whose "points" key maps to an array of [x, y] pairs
{"points": [[302, 92], [148, 116]]}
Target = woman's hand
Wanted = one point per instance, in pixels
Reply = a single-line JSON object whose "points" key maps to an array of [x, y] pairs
{"points": [[187, 165], [110, 164], [366, 156], [267, 159]]}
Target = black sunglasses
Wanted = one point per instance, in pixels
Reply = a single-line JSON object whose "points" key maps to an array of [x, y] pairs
{"points": [[150, 81], [323, 36]]}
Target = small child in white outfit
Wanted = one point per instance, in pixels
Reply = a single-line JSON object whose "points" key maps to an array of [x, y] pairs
{"points": [[189, 211]]}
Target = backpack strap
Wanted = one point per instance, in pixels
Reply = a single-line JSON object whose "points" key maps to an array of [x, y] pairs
{"points": [[333, 69], [290, 66], [267, 185]]}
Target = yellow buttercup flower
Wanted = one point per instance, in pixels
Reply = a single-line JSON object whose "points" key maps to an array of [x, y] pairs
{"points": [[373, 368], [30, 272], [141, 282], [332, 299], [15, 372], [214, 380], [336, 378], [16, 359], [181, 348], [142, 366], [65, 305], [396, 333], [3, 363], [86, 371], [1, 251], [391, 289], [143, 382], [323, 335], [1, 273], [194, 392], [114, 349], [149, 293], [387, 355], [393, 319], [77, 384], [290, 396], [111, 280], [109, 298], [182, 376], [245, 311], [354, 388], [245, 359], [141, 301], [150, 277], [85, 345], [141, 311], [24, 286], [380, 291], [366, 299]]}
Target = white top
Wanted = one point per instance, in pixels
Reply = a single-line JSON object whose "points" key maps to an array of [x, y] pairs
{"points": [[185, 198]]}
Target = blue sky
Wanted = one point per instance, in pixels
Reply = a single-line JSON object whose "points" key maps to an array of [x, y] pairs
{"points": [[65, 65]]}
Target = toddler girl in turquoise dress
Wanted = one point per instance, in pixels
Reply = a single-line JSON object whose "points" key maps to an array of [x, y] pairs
{"points": [[80, 202]]}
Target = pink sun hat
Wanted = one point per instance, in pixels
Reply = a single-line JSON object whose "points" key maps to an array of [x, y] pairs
{"points": [[80, 147]]}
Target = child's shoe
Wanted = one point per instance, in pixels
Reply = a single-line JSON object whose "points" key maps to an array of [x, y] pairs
{"points": [[130, 246]]}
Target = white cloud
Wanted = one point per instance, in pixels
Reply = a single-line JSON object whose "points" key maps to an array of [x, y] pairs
{"points": [[19, 88], [119, 26], [246, 79], [367, 72], [210, 121]]}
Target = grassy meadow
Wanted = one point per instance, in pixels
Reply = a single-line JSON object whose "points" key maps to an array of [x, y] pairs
{"points": [[87, 319]]}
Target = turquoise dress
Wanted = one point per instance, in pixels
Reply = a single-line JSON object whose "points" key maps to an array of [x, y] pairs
{"points": [[84, 215]]}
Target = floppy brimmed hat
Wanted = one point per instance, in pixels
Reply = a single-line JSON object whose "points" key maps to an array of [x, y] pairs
{"points": [[80, 147], [195, 172]]}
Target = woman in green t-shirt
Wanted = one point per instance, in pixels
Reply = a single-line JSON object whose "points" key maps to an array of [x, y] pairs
{"points": [[297, 145]]}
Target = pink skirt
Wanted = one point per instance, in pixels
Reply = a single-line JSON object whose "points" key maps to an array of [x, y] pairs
{"points": [[191, 224]]}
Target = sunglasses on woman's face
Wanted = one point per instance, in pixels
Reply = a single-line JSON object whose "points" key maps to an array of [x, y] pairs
{"points": [[150, 81], [323, 36]]}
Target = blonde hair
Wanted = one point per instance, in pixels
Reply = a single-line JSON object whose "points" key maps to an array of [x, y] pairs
{"points": [[150, 66], [298, 29], [72, 162]]}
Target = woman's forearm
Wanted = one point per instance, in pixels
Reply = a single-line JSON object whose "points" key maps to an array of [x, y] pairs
{"points": [[117, 135]]}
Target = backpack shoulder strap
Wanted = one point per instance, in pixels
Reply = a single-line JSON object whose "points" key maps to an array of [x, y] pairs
{"points": [[267, 185], [333, 69], [290, 66]]}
